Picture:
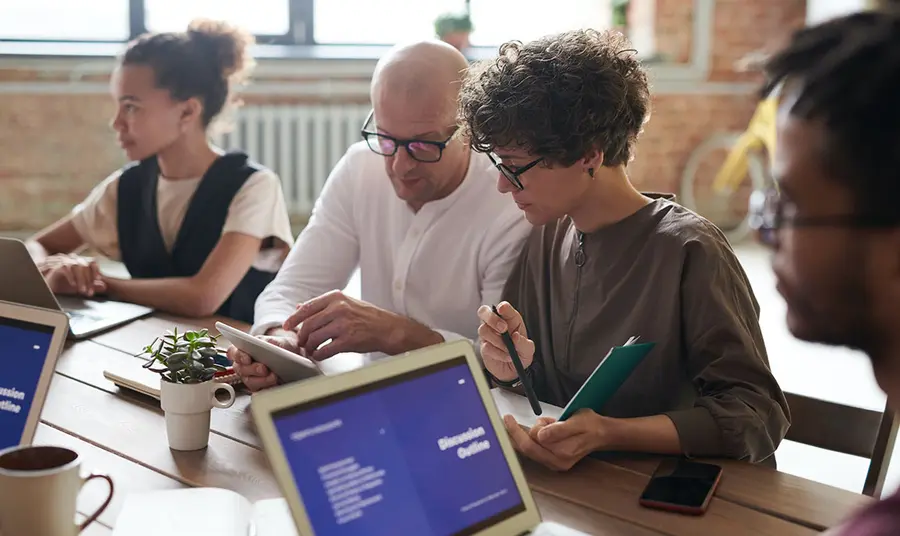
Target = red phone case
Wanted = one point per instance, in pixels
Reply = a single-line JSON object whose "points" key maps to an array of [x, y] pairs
{"points": [[681, 509]]}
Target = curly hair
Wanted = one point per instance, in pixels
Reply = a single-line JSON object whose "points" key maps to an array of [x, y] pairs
{"points": [[846, 74], [560, 97], [204, 62]]}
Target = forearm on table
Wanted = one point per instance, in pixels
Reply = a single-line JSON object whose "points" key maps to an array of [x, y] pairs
{"points": [[176, 295], [406, 335], [655, 434]]}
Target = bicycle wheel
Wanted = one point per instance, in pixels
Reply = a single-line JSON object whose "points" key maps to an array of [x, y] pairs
{"points": [[727, 209]]}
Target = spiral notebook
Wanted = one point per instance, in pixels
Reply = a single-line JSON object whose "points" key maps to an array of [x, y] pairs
{"points": [[609, 375]]}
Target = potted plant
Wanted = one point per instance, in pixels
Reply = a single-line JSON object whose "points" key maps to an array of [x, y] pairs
{"points": [[186, 364], [454, 29]]}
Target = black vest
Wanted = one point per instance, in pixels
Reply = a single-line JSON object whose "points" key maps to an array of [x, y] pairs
{"points": [[141, 243]]}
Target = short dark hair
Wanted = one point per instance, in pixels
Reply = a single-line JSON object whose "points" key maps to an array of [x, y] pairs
{"points": [[560, 97], [845, 73], [204, 62]]}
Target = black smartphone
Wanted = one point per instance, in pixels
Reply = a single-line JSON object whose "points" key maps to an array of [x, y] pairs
{"points": [[682, 486]]}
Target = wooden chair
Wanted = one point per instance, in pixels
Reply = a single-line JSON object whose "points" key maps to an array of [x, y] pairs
{"points": [[836, 427]]}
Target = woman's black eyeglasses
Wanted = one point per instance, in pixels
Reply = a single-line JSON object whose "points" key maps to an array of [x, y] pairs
{"points": [[421, 150], [769, 213], [513, 176]]}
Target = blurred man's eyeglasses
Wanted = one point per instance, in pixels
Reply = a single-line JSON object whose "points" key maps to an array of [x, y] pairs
{"points": [[421, 150], [769, 212], [513, 175]]}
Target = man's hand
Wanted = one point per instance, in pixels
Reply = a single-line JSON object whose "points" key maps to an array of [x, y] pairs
{"points": [[257, 376], [354, 326], [493, 351], [72, 274], [558, 445]]}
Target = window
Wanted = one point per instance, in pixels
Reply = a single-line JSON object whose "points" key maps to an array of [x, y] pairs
{"points": [[70, 20], [382, 22], [260, 17], [498, 21], [495, 21], [327, 22]]}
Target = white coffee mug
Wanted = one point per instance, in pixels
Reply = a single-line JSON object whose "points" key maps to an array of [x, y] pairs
{"points": [[187, 408], [39, 486]]}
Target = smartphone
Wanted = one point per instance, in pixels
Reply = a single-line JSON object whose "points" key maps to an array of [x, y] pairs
{"points": [[682, 486]]}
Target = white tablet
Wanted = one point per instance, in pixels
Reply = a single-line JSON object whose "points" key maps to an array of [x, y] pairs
{"points": [[288, 366]]}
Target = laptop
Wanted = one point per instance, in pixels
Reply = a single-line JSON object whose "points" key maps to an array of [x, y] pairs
{"points": [[23, 283], [31, 340], [411, 444]]}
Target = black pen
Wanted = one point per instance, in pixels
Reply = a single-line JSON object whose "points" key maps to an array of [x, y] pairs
{"points": [[520, 370]]}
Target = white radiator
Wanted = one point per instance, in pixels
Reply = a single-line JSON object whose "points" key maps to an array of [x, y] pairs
{"points": [[300, 142]]}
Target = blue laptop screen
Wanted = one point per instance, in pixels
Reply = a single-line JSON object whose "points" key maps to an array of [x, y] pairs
{"points": [[413, 454], [23, 351]]}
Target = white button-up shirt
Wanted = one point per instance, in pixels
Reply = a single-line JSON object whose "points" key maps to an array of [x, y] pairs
{"points": [[436, 266]]}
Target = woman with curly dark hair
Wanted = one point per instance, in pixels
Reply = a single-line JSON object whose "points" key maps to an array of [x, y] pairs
{"points": [[560, 117]]}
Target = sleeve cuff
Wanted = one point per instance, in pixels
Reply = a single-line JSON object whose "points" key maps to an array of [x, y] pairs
{"points": [[698, 432], [264, 325], [450, 336]]}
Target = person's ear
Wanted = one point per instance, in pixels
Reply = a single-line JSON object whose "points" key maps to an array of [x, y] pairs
{"points": [[592, 161], [191, 111]]}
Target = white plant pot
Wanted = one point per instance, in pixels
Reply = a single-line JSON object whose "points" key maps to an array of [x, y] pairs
{"points": [[187, 408]]}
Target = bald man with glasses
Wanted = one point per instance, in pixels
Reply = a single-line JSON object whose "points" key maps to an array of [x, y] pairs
{"points": [[415, 210]]}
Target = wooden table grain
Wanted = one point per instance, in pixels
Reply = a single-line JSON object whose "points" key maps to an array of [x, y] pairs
{"points": [[122, 434]]}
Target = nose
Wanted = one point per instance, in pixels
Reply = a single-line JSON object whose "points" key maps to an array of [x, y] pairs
{"points": [[503, 184], [117, 123], [401, 162]]}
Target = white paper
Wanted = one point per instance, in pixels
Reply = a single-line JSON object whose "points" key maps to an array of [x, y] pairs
{"points": [[184, 512], [509, 403], [272, 517]]}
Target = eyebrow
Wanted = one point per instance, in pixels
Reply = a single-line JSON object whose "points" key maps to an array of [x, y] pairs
{"points": [[414, 137], [128, 97], [511, 157]]}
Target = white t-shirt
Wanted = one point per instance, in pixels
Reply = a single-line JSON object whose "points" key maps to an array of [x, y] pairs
{"points": [[258, 210], [436, 266]]}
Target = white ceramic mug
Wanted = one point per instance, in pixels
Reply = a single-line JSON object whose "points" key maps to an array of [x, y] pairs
{"points": [[187, 408], [39, 486]]}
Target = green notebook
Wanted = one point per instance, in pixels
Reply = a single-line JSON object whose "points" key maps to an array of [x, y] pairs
{"points": [[609, 375]]}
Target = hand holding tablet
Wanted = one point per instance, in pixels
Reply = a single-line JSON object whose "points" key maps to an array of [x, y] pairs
{"points": [[287, 365]]}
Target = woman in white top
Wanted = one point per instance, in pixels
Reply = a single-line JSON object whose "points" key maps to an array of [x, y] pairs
{"points": [[201, 232]]}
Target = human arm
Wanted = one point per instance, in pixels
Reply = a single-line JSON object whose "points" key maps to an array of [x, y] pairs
{"points": [[324, 256], [741, 411], [353, 325], [54, 248], [561, 445], [201, 294]]}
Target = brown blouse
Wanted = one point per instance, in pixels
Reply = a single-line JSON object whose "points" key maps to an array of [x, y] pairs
{"points": [[670, 277]]}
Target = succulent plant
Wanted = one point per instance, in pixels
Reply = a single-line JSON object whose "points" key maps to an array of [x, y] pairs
{"points": [[186, 357]]}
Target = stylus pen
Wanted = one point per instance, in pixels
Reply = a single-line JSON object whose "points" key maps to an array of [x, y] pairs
{"points": [[520, 370]]}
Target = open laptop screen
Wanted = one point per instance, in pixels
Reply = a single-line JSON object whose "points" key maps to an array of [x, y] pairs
{"points": [[23, 352], [411, 454]]}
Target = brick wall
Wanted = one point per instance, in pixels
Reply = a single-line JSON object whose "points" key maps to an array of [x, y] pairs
{"points": [[55, 147]]}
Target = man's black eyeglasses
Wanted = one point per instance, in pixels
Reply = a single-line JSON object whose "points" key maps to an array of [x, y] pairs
{"points": [[421, 150], [513, 176], [768, 214]]}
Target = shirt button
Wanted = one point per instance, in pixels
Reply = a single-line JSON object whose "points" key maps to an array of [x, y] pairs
{"points": [[398, 285]]}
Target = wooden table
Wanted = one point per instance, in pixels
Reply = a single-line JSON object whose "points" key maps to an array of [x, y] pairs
{"points": [[123, 434]]}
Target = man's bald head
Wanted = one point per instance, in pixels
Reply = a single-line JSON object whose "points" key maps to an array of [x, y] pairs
{"points": [[424, 74], [415, 90]]}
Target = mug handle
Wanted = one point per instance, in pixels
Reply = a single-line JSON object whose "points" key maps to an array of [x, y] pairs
{"points": [[93, 517], [220, 387]]}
